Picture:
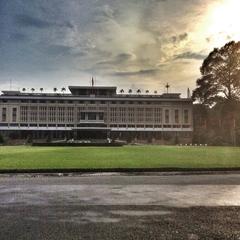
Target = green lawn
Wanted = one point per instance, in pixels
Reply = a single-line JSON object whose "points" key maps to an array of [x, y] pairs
{"points": [[26, 157]]}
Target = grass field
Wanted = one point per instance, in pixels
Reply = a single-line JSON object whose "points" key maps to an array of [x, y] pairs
{"points": [[25, 157]]}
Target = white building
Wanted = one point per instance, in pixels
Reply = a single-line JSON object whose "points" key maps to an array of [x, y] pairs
{"points": [[96, 112]]}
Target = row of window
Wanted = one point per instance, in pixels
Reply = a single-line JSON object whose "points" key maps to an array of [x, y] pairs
{"points": [[80, 102], [80, 125], [61, 114]]}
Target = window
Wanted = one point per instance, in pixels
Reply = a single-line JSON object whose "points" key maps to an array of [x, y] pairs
{"points": [[113, 114], [186, 116], [24, 114], [158, 115], [149, 114], [92, 116], [70, 114], [33, 114], [131, 115], [14, 114], [140, 115], [176, 116], [4, 114], [122, 114], [61, 114], [43, 114], [82, 116], [166, 116], [101, 116], [52, 114]]}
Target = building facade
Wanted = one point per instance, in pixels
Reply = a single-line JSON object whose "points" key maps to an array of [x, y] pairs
{"points": [[96, 113]]}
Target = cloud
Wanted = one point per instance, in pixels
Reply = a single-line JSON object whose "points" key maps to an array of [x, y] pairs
{"points": [[190, 55], [28, 21], [179, 38], [18, 37], [120, 58], [58, 50], [24, 20], [136, 73]]}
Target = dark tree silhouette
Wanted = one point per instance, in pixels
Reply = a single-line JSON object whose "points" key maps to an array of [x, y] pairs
{"points": [[55, 90], [63, 89], [121, 91], [220, 79], [32, 89], [24, 89], [130, 91], [41, 89], [139, 91]]}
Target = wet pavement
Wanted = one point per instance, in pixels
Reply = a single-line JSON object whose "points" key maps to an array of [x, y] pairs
{"points": [[107, 206]]}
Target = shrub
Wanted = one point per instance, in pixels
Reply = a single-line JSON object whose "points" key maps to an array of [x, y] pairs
{"points": [[1, 139]]}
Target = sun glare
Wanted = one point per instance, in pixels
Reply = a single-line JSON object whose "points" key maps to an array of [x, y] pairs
{"points": [[224, 21]]}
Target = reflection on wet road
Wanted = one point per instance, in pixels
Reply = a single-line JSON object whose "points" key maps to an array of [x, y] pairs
{"points": [[47, 191]]}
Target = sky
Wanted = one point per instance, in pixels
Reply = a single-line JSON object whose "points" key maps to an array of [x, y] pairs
{"points": [[137, 44]]}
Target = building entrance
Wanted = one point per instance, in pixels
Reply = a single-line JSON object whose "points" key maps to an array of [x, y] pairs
{"points": [[91, 134]]}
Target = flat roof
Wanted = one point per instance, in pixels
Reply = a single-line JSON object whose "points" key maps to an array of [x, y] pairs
{"points": [[93, 87], [9, 94]]}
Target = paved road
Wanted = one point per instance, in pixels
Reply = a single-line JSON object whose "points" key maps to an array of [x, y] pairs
{"points": [[120, 207]]}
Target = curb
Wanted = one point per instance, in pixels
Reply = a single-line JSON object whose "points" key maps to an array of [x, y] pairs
{"points": [[134, 171]]}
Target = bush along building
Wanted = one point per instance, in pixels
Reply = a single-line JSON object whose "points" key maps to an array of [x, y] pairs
{"points": [[96, 112]]}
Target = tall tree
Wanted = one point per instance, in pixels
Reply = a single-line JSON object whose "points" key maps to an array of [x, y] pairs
{"points": [[220, 80]]}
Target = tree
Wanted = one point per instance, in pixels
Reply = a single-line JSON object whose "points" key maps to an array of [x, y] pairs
{"points": [[24, 89], [121, 91], [55, 89], [41, 90], [147, 91], [220, 80], [155, 92], [138, 91], [63, 90], [32, 89], [130, 91]]}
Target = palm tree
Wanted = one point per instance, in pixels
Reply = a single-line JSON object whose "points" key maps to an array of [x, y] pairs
{"points": [[121, 91], [155, 92], [55, 89], [147, 91], [32, 89], [24, 89], [41, 89], [138, 91], [63, 89], [130, 91]]}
